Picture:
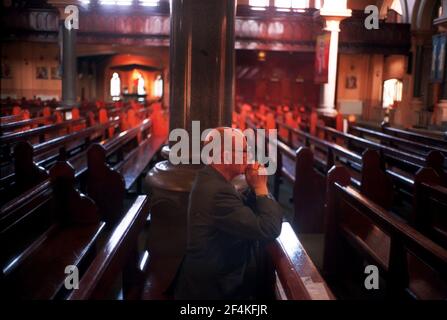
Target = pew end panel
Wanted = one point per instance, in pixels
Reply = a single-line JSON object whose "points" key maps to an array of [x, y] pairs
{"points": [[297, 277], [118, 259]]}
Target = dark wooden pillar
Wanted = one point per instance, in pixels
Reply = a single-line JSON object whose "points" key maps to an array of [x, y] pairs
{"points": [[201, 63], [201, 77], [201, 89]]}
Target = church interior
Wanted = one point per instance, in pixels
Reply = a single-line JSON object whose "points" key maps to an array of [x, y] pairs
{"points": [[93, 208]]}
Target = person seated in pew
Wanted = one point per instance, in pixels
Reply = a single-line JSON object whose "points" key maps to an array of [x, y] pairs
{"points": [[225, 229]]}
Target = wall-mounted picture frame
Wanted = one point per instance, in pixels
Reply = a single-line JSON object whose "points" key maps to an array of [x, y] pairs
{"points": [[351, 82], [42, 73], [55, 73], [5, 71]]}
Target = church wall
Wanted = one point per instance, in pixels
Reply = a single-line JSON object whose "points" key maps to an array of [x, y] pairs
{"points": [[360, 81], [283, 78], [22, 59]]}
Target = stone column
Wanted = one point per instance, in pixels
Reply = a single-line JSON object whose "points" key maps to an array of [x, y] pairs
{"points": [[69, 70], [67, 45], [332, 12]]}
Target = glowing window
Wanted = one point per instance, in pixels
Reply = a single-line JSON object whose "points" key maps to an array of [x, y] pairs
{"points": [[158, 87], [295, 5], [115, 86], [258, 4], [116, 2], [141, 90], [392, 92], [300, 4], [149, 3]]}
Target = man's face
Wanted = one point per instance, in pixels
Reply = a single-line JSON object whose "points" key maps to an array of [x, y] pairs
{"points": [[235, 157], [238, 154]]}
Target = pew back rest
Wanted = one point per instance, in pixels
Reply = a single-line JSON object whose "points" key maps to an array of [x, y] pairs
{"points": [[113, 258], [409, 261]]}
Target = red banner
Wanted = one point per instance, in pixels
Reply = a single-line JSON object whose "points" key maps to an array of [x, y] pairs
{"points": [[322, 58]]}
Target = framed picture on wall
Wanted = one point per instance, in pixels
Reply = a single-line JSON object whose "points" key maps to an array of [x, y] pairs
{"points": [[55, 73], [351, 82], [41, 73], [5, 71]]}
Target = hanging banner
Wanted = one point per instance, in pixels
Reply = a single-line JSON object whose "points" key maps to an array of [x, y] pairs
{"points": [[322, 58], [438, 57]]}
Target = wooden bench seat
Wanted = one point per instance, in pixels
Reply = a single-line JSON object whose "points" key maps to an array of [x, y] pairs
{"points": [[118, 257], [37, 195], [411, 265], [307, 172], [417, 137], [33, 267], [39, 273], [108, 184], [16, 178], [10, 118], [430, 207], [431, 133], [46, 152], [403, 144], [27, 123], [136, 161], [36, 135], [297, 276]]}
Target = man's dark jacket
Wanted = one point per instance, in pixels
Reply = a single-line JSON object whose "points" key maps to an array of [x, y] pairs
{"points": [[222, 233]]}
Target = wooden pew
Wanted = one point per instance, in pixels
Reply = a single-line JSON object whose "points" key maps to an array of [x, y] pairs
{"points": [[10, 118], [36, 197], [108, 185], [36, 248], [417, 137], [430, 206], [28, 158], [308, 176], [359, 233], [39, 134], [393, 141], [402, 161], [432, 133], [118, 258], [20, 125], [297, 278], [303, 171], [47, 118], [309, 196]]}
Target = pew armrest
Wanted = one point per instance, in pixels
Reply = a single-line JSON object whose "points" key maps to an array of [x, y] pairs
{"points": [[298, 276]]}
